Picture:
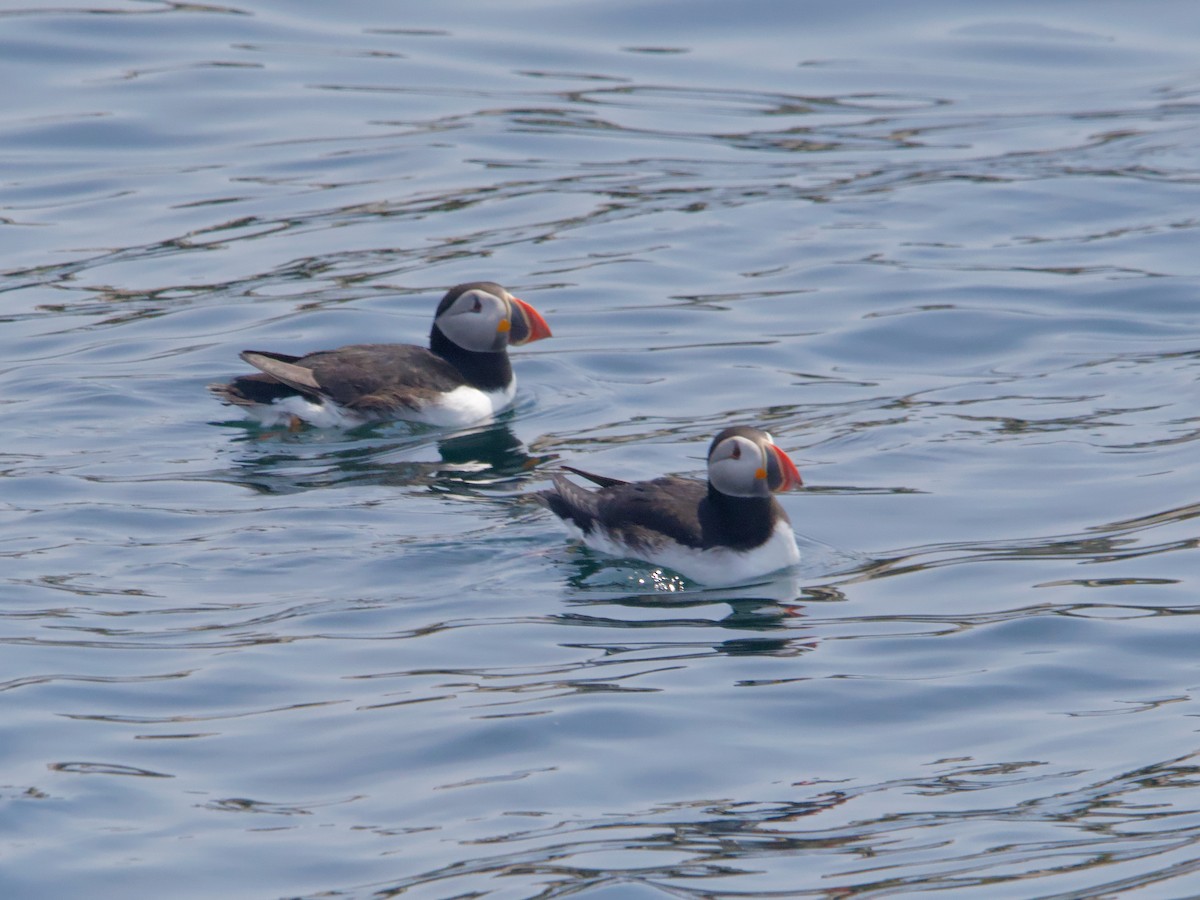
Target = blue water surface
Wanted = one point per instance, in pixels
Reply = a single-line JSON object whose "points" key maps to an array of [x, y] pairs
{"points": [[944, 252]]}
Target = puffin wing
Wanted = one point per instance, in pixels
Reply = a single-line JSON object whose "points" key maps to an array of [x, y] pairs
{"points": [[571, 503], [250, 391], [602, 480], [364, 377], [284, 369], [638, 515], [647, 514]]}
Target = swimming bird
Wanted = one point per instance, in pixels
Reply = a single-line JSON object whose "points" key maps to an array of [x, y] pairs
{"points": [[722, 531], [464, 376]]}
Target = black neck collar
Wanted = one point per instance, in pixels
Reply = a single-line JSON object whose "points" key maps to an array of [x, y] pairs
{"points": [[741, 523], [486, 371]]}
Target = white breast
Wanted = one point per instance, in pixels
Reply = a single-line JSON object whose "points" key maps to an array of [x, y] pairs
{"points": [[465, 405], [320, 415], [461, 406], [715, 566]]}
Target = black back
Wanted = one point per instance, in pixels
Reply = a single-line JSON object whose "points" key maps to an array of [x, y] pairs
{"points": [[381, 376], [644, 514]]}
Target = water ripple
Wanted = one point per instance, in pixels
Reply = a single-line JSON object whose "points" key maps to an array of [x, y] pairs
{"points": [[949, 264]]}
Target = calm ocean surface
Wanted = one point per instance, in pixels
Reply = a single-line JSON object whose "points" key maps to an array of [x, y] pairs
{"points": [[948, 254]]}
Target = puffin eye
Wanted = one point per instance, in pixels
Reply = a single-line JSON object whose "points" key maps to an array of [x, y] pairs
{"points": [[737, 451], [478, 306]]}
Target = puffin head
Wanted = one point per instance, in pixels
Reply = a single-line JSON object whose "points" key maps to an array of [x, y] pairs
{"points": [[744, 462], [483, 317]]}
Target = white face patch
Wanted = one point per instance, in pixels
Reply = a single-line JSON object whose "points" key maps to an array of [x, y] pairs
{"points": [[734, 466], [474, 321]]}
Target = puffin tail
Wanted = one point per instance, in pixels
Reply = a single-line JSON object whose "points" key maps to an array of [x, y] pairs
{"points": [[570, 502]]}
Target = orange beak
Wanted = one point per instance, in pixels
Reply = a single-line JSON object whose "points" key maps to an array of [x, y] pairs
{"points": [[527, 324], [783, 472]]}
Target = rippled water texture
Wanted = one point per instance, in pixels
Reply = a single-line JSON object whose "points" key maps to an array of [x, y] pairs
{"points": [[945, 252]]}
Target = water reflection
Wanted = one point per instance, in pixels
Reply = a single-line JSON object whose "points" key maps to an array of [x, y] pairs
{"points": [[689, 615], [476, 459]]}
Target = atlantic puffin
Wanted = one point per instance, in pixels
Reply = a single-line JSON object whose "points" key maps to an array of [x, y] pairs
{"points": [[723, 531], [464, 376]]}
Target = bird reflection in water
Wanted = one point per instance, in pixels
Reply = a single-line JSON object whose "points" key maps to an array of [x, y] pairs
{"points": [[468, 460]]}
